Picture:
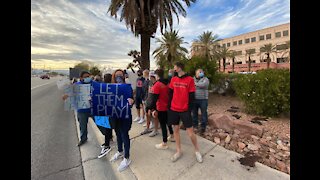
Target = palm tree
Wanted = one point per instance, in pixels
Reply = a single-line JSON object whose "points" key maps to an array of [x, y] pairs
{"points": [[206, 40], [170, 47], [144, 16], [288, 50], [223, 53], [233, 55], [268, 49], [249, 52]]}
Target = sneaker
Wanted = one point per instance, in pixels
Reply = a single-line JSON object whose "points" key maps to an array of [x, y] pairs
{"points": [[146, 131], [171, 138], [81, 142], [199, 157], [124, 164], [176, 156], [136, 119], [151, 125], [116, 156], [104, 152], [153, 133], [145, 125], [141, 121], [103, 145], [162, 146]]}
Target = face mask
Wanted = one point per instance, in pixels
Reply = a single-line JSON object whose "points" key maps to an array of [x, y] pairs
{"points": [[170, 74], [87, 80], [119, 79], [201, 74]]}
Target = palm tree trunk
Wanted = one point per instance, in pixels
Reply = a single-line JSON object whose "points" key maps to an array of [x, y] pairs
{"points": [[249, 64], [224, 64], [232, 65], [219, 64], [145, 51]]}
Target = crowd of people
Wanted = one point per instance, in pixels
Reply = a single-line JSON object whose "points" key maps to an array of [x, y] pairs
{"points": [[169, 102]]}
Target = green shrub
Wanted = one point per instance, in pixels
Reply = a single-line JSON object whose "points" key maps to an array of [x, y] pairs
{"points": [[196, 62], [265, 93]]}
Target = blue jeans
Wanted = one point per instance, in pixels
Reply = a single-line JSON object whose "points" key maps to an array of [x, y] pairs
{"points": [[83, 121], [203, 105]]}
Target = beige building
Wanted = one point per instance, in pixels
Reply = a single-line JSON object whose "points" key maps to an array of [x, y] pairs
{"points": [[277, 35]]}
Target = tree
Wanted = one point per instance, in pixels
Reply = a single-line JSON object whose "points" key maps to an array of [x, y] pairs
{"points": [[84, 66], [207, 43], [249, 52], [137, 60], [94, 70], [143, 17], [288, 50], [196, 62], [223, 53], [233, 55], [268, 49], [170, 47], [162, 62]]}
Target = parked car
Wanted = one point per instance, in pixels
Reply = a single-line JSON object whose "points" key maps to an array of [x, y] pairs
{"points": [[45, 76]]}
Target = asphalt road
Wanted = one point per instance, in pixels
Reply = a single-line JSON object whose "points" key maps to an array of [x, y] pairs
{"points": [[54, 151]]}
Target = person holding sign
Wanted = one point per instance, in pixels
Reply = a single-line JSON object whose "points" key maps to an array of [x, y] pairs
{"points": [[139, 97], [122, 127], [83, 114], [181, 97]]}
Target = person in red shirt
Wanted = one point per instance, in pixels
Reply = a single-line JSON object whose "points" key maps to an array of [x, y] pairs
{"points": [[160, 98], [181, 96]]}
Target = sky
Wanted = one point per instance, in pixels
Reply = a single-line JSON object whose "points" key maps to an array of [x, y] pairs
{"points": [[66, 32]]}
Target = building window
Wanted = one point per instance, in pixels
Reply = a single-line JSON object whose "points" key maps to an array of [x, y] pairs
{"points": [[268, 36], [234, 43], [281, 47], [278, 34], [282, 60], [223, 45], [228, 44], [253, 39], [239, 62], [238, 53], [252, 50], [247, 40], [261, 38], [240, 42], [285, 33]]}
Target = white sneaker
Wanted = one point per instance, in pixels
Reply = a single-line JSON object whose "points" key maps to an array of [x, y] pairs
{"points": [[153, 133], [151, 125], [124, 164], [161, 146], [141, 121], [136, 119], [116, 156], [199, 157], [145, 125]]}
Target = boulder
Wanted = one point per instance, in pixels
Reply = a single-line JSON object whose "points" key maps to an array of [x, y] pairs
{"points": [[216, 140], [253, 147], [282, 166], [226, 122]]}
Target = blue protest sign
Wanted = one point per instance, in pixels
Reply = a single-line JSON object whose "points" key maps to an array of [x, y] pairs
{"points": [[102, 121], [111, 100]]}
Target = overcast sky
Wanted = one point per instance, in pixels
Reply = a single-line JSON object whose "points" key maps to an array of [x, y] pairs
{"points": [[65, 32]]}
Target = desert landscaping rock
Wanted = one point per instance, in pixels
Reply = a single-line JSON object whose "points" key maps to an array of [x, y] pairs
{"points": [[281, 165], [255, 137], [216, 140], [236, 131], [272, 150], [253, 147], [228, 138], [236, 116], [268, 138]]}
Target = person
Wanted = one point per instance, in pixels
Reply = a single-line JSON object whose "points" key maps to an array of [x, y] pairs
{"points": [[97, 78], [145, 89], [170, 74], [150, 107], [83, 114], [160, 100], [74, 80], [181, 96], [105, 147], [126, 75], [139, 95], [201, 100], [122, 128]]}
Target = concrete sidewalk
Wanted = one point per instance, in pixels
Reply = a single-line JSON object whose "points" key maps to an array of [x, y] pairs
{"points": [[150, 163]]}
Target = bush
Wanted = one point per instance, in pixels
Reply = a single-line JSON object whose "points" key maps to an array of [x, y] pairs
{"points": [[265, 93]]}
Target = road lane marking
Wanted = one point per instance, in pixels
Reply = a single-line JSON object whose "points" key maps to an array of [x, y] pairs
{"points": [[41, 85]]}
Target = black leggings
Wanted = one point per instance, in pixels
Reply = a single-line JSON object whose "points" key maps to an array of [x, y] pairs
{"points": [[163, 119], [107, 134]]}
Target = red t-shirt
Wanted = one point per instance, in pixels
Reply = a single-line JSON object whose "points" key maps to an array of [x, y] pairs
{"points": [[181, 88], [161, 89]]}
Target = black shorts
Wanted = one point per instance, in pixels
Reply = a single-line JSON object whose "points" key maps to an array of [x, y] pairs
{"points": [[174, 118], [138, 102]]}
